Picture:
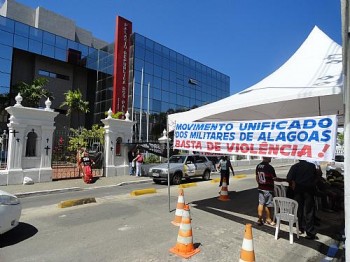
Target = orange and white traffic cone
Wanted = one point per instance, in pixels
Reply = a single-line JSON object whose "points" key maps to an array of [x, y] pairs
{"points": [[184, 246], [224, 191], [247, 251], [179, 208]]}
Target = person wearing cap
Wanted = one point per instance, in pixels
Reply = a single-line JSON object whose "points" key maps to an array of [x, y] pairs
{"points": [[265, 177]]}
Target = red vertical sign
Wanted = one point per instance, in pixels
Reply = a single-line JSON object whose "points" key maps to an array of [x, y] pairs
{"points": [[121, 65]]}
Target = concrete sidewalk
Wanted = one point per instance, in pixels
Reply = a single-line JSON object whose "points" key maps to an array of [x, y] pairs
{"points": [[78, 184]]}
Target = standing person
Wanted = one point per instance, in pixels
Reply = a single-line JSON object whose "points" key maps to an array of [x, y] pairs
{"points": [[265, 176], [303, 177], [138, 160], [225, 166], [86, 162], [80, 154], [131, 156]]}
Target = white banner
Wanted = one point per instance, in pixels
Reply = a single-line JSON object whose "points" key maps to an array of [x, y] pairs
{"points": [[311, 138]]}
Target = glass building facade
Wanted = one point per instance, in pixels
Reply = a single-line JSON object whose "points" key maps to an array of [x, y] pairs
{"points": [[161, 80]]}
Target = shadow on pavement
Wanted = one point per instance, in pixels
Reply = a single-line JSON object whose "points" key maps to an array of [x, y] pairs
{"points": [[246, 202], [20, 233]]}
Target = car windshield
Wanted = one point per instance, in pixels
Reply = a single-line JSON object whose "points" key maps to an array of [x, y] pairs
{"points": [[177, 159], [339, 159]]}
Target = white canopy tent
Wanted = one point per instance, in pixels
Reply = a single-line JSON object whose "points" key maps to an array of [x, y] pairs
{"points": [[308, 84]]}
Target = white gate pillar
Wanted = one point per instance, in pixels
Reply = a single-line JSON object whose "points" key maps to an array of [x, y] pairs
{"points": [[30, 143], [116, 129]]}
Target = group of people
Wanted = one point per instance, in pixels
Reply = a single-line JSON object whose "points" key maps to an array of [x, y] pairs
{"points": [[135, 158], [304, 179]]}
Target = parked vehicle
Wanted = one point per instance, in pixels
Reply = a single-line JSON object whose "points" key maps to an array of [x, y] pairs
{"points": [[336, 166], [182, 166], [10, 211]]}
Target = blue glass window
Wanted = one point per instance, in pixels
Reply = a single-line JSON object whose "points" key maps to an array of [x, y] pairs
{"points": [[21, 42], [6, 38], [172, 98], [147, 78], [166, 63], [139, 40], [6, 52], [7, 24], [35, 46], [165, 85], [5, 66], [36, 34], [74, 45], [139, 64], [21, 29], [60, 54], [5, 79], [140, 52], [48, 38], [149, 44], [83, 49], [156, 105], [137, 77], [48, 50], [165, 96], [61, 42], [173, 66], [149, 68], [156, 94], [165, 74], [157, 82], [166, 52], [157, 71], [157, 48], [149, 56], [157, 60], [4, 90]]}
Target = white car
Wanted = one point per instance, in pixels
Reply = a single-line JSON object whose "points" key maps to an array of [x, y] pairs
{"points": [[10, 211]]}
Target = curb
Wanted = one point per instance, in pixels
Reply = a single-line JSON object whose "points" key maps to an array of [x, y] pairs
{"points": [[47, 192], [76, 202], [187, 185], [143, 191]]}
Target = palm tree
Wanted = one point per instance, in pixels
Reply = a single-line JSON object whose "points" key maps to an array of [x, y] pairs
{"points": [[32, 93], [75, 103]]}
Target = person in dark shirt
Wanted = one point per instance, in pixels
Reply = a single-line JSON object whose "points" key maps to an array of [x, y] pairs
{"points": [[225, 166], [303, 177], [131, 156], [265, 176]]}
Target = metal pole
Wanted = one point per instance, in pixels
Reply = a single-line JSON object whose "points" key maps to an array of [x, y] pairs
{"points": [[132, 108], [147, 118], [140, 125], [168, 153]]}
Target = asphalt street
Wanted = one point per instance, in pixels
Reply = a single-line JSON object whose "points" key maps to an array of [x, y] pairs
{"points": [[121, 227]]}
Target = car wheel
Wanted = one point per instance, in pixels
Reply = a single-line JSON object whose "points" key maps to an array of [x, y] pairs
{"points": [[206, 175], [176, 180], [156, 181]]}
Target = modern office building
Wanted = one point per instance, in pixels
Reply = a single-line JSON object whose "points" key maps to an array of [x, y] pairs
{"points": [[134, 74]]}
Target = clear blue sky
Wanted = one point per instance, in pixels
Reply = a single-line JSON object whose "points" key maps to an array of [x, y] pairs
{"points": [[245, 39]]}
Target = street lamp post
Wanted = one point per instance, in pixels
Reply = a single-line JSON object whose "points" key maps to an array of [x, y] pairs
{"points": [[165, 140]]}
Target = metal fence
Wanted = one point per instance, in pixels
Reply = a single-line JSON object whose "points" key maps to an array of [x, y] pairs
{"points": [[64, 156], [4, 142]]}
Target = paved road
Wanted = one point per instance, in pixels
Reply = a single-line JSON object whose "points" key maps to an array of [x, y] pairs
{"points": [[120, 227]]}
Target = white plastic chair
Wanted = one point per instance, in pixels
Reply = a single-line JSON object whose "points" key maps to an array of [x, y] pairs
{"points": [[286, 210], [280, 191]]}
